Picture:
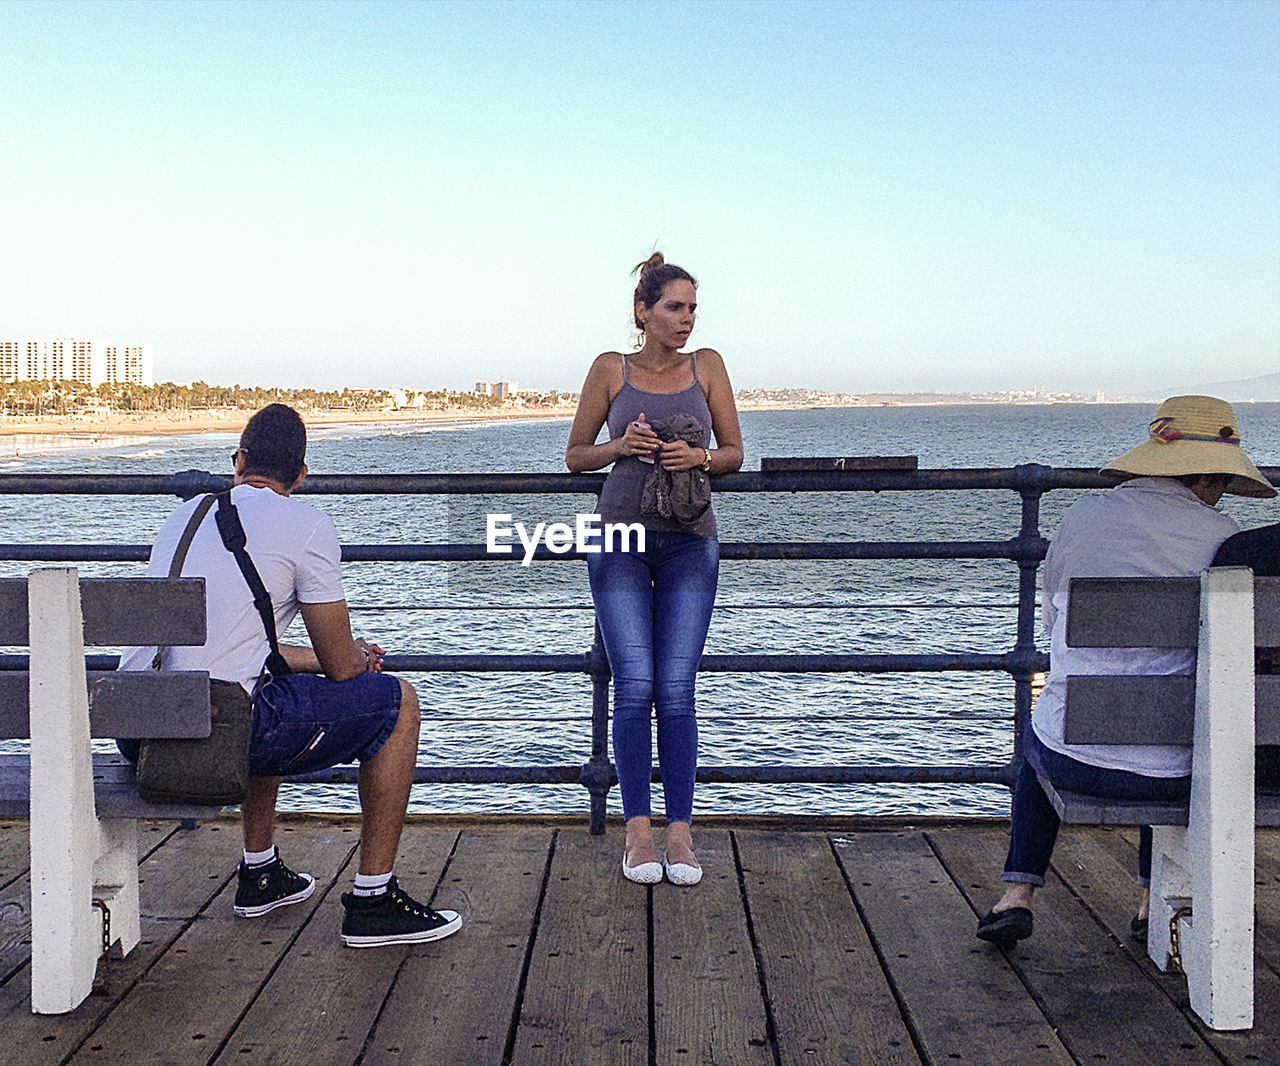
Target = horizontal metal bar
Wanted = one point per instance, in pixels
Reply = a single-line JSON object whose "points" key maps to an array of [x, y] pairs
{"points": [[1026, 477], [737, 775], [1010, 662], [457, 775], [1016, 549], [75, 553]]}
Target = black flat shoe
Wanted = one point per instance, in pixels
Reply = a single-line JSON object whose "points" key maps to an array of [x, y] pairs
{"points": [[1006, 928], [1138, 929]]}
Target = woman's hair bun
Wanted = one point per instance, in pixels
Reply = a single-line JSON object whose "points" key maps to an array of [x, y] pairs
{"points": [[652, 263]]}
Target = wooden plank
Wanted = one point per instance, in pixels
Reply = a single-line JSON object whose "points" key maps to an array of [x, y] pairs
{"points": [[115, 791], [136, 703], [15, 899], [1085, 984], [454, 1000], [119, 611], [1266, 700], [707, 1005], [15, 704], [1267, 900], [187, 1003], [586, 994], [1266, 611], [15, 928], [830, 1000], [42, 1040], [963, 1002], [13, 611], [1133, 612], [321, 1002], [789, 464], [1083, 809], [1156, 709], [1097, 866], [15, 852]]}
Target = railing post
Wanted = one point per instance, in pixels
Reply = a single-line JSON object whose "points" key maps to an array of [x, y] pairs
{"points": [[598, 774], [1030, 553]]}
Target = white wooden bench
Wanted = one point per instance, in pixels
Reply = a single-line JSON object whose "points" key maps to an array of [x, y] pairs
{"points": [[1202, 877], [83, 808]]}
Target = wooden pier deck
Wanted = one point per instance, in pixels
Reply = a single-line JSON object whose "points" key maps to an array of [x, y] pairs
{"points": [[846, 944]]}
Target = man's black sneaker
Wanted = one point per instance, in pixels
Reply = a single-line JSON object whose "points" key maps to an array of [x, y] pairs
{"points": [[264, 888], [393, 918]]}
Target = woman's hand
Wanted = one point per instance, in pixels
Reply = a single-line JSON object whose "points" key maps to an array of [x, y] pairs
{"points": [[680, 455], [640, 440]]}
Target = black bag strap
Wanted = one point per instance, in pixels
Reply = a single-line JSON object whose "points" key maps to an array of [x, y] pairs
{"points": [[235, 541]]}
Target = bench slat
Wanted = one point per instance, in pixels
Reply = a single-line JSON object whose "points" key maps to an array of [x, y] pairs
{"points": [[1138, 612], [1266, 611], [142, 703], [1155, 612], [114, 786], [119, 611], [1156, 710], [1075, 808]]}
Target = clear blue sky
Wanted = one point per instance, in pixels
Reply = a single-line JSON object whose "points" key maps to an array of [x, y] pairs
{"points": [[874, 196]]}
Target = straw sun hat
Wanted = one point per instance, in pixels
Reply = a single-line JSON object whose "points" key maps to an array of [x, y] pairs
{"points": [[1193, 435]]}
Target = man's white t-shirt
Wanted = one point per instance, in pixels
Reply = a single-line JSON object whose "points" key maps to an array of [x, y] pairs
{"points": [[1146, 527], [295, 549]]}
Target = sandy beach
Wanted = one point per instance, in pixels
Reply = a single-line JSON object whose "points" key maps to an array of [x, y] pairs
{"points": [[171, 423]]}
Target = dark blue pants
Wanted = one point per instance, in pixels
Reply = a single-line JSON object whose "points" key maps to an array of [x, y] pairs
{"points": [[654, 608], [1035, 823]]}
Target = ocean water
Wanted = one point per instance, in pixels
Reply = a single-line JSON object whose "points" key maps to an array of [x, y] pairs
{"points": [[786, 607]]}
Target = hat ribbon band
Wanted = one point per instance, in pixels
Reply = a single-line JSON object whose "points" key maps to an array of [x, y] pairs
{"points": [[1160, 431]]}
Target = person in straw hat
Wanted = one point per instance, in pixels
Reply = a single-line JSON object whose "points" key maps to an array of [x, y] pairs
{"points": [[1159, 521]]}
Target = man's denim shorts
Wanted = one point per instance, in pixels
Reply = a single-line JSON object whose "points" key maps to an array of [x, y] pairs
{"points": [[305, 722]]}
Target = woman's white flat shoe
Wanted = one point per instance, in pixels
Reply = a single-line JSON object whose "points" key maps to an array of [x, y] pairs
{"points": [[682, 873], [647, 873]]}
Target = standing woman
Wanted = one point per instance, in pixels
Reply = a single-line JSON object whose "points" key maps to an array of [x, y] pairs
{"points": [[663, 406]]}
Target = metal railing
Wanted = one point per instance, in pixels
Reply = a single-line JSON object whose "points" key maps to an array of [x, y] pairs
{"points": [[1026, 549]]}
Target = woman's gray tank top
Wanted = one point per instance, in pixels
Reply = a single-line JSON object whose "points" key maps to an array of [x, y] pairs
{"points": [[620, 497]]}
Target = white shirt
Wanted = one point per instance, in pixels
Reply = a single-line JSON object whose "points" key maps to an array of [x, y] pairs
{"points": [[1146, 527], [295, 549]]}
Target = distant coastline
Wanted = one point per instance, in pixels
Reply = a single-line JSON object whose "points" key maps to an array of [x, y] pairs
{"points": [[232, 420], [102, 425]]}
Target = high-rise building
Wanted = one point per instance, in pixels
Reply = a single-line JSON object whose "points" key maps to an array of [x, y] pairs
{"points": [[503, 390], [67, 359]]}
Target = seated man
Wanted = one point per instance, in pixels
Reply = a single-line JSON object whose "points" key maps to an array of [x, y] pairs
{"points": [[335, 707], [1159, 522]]}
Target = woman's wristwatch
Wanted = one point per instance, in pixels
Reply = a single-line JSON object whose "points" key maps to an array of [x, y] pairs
{"points": [[706, 462]]}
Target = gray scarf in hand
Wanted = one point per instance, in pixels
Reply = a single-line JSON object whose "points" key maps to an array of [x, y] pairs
{"points": [[680, 495]]}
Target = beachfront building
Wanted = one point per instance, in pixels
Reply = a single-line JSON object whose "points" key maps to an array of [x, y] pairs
{"points": [[93, 362], [502, 390]]}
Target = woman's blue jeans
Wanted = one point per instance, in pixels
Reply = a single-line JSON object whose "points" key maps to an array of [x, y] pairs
{"points": [[654, 608], [1035, 823]]}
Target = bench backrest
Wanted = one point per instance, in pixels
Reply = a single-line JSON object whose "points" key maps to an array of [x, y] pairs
{"points": [[1154, 612], [120, 612]]}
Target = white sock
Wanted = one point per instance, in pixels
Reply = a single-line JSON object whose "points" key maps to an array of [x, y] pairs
{"points": [[372, 884], [260, 858]]}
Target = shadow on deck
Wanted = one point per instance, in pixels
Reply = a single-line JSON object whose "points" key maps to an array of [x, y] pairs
{"points": [[850, 944]]}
